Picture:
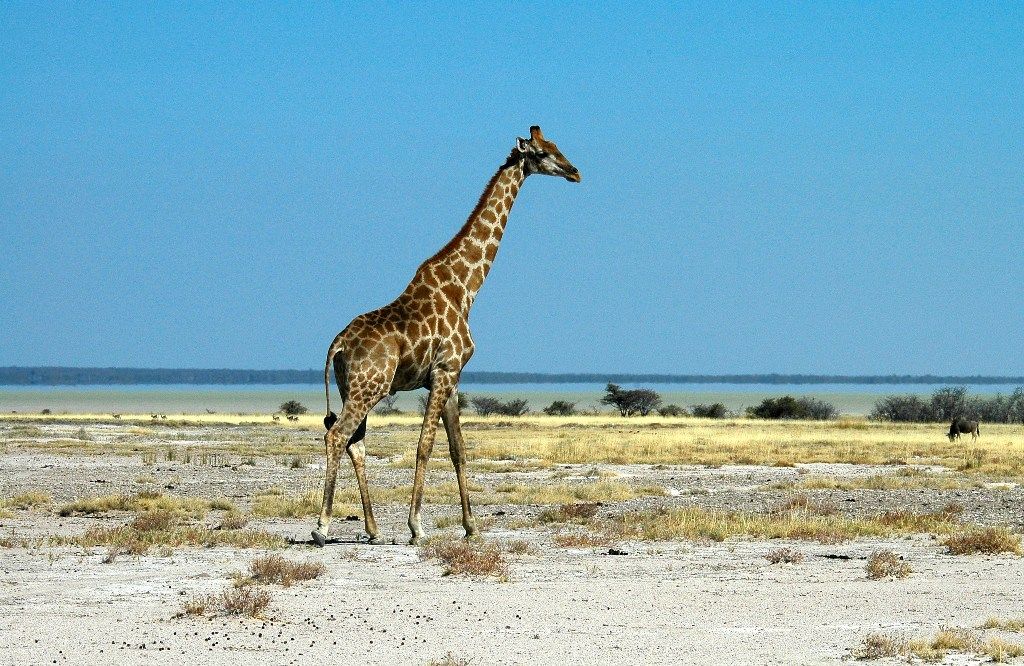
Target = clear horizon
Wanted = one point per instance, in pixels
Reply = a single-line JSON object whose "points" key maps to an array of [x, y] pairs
{"points": [[825, 190]]}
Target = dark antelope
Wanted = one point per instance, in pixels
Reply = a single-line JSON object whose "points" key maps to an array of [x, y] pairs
{"points": [[963, 426]]}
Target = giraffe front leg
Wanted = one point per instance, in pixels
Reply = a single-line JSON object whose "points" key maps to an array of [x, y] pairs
{"points": [[457, 449], [441, 387]]}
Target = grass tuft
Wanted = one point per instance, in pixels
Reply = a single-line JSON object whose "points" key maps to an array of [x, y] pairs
{"points": [[243, 601], [985, 540], [886, 564], [570, 513], [274, 569], [784, 556], [1015, 624], [464, 558], [880, 646]]}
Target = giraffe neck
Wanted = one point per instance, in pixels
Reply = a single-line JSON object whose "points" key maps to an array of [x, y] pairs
{"points": [[460, 267]]}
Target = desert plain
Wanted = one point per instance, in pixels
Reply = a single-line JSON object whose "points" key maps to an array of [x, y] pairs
{"points": [[605, 540]]}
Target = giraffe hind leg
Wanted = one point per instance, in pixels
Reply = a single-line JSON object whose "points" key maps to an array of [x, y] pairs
{"points": [[341, 432], [357, 454]]}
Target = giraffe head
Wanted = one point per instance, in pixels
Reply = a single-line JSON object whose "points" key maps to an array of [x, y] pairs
{"points": [[543, 156]]}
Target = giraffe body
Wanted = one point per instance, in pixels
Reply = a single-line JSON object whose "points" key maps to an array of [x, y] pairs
{"points": [[422, 340]]}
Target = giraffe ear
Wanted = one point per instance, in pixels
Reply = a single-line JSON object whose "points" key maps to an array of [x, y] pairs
{"points": [[523, 145]]}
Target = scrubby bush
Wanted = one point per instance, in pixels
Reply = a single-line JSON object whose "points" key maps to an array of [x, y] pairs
{"points": [[422, 400], [671, 410], [901, 408], [560, 408], [292, 408], [715, 410], [631, 402], [788, 407], [948, 403], [487, 406], [387, 406]]}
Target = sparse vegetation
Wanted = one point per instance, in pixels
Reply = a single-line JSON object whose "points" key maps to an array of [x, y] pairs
{"points": [[788, 407], [144, 501], [880, 646], [487, 406], [560, 408], [31, 499], [983, 540], [243, 601], [715, 410], [631, 402], [886, 564], [388, 406], [784, 556], [292, 408], [274, 569], [570, 513], [948, 403], [459, 557], [1014, 624], [700, 524]]}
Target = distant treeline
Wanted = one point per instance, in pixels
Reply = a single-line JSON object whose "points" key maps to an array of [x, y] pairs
{"points": [[55, 376]]}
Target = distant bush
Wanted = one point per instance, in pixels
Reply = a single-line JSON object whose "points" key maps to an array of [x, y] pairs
{"points": [[788, 407], [292, 408], [560, 408], [387, 406], [948, 403], [901, 408], [672, 410], [486, 406], [422, 401], [715, 410], [631, 402]]}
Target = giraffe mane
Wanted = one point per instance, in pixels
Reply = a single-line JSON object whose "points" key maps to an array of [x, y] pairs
{"points": [[513, 157]]}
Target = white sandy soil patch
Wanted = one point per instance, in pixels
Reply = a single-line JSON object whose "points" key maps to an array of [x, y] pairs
{"points": [[661, 603]]}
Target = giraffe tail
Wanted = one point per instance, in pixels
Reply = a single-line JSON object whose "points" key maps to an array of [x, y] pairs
{"points": [[331, 417]]}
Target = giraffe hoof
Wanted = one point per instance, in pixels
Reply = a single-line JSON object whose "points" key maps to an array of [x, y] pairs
{"points": [[415, 541], [319, 539]]}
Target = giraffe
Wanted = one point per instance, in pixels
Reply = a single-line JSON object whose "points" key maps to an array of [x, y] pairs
{"points": [[422, 340]]}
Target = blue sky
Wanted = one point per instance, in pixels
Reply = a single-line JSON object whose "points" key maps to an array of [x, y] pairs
{"points": [[814, 187]]}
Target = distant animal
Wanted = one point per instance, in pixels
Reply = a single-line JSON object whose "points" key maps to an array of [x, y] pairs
{"points": [[117, 416], [154, 416], [963, 426], [276, 417], [210, 411], [163, 416], [292, 417]]}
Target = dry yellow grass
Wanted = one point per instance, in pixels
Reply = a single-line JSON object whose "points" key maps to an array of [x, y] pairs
{"points": [[244, 601], [984, 540], [700, 524], [1015, 624], [902, 479], [536, 442], [25, 501], [476, 559], [886, 564], [145, 501], [657, 440], [274, 569], [937, 647]]}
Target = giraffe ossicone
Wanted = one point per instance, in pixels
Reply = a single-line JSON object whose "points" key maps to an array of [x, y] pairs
{"points": [[422, 340]]}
